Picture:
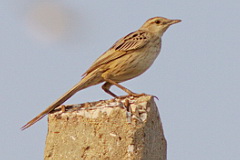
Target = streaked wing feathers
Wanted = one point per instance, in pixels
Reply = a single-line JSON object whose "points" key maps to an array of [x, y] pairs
{"points": [[132, 41]]}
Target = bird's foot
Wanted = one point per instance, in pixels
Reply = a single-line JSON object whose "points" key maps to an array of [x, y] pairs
{"points": [[143, 94], [137, 94], [131, 95]]}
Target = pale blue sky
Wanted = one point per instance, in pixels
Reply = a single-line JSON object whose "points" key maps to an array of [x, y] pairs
{"points": [[196, 77]]}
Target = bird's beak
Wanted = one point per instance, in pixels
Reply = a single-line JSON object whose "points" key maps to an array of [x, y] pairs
{"points": [[173, 21]]}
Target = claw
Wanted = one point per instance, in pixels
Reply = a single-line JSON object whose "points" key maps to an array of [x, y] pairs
{"points": [[137, 94]]}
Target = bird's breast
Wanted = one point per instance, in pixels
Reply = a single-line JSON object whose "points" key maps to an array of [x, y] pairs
{"points": [[134, 63]]}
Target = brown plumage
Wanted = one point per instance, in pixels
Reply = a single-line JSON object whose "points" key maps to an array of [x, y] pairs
{"points": [[129, 57]]}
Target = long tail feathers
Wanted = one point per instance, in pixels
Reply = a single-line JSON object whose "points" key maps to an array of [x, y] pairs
{"points": [[81, 85], [92, 78], [58, 102]]}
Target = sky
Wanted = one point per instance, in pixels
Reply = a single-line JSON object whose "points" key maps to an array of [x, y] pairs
{"points": [[47, 45]]}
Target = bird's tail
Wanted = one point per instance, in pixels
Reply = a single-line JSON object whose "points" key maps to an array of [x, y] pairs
{"points": [[87, 81]]}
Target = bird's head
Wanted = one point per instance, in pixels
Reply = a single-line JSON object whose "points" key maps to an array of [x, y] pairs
{"points": [[158, 25]]}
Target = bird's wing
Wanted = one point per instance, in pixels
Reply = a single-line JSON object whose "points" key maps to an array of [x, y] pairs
{"points": [[132, 41]]}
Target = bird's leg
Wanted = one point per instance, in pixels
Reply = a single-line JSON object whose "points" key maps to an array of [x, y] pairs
{"points": [[106, 86], [121, 87]]}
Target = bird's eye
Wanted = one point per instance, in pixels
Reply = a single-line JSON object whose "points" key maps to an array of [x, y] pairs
{"points": [[157, 21]]}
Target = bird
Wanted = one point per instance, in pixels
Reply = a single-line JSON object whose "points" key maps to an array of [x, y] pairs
{"points": [[128, 58]]}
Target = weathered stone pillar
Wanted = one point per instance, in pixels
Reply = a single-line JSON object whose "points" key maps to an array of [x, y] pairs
{"points": [[118, 129]]}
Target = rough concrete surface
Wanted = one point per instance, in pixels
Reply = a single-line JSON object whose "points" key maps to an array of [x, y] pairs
{"points": [[118, 129]]}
